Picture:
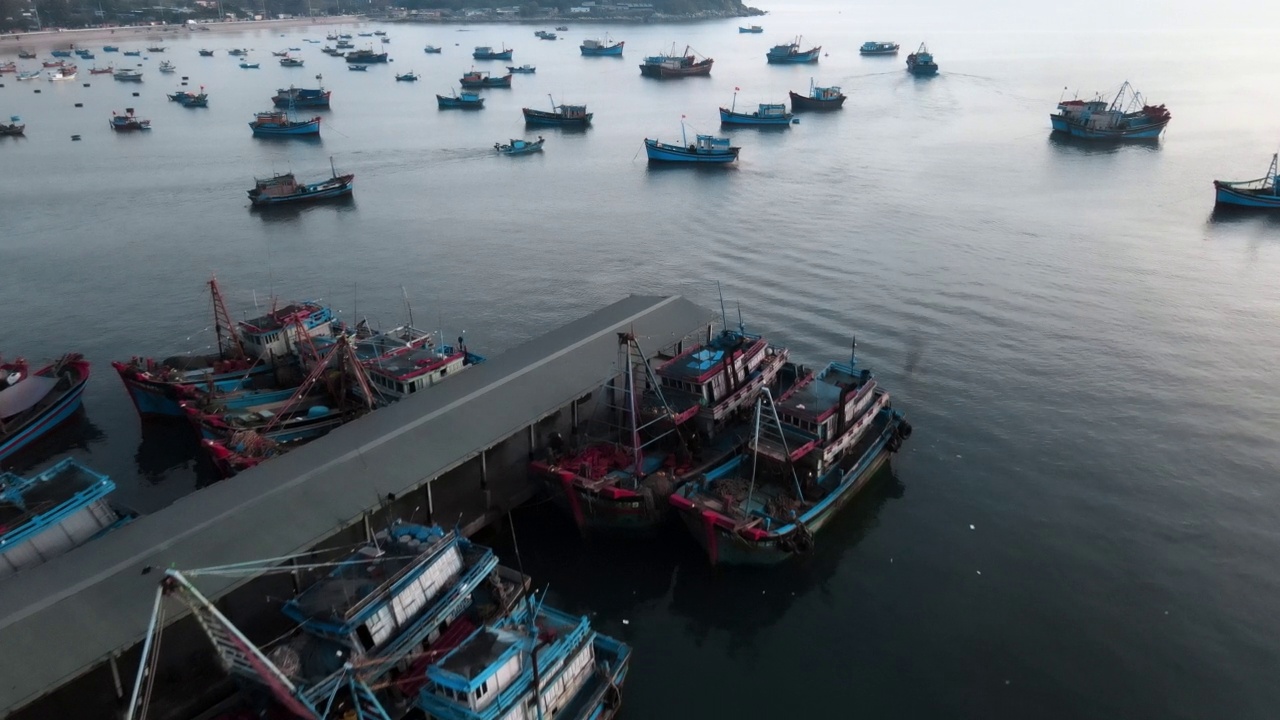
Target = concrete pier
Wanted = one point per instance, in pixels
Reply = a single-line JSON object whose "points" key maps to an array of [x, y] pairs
{"points": [[455, 454]]}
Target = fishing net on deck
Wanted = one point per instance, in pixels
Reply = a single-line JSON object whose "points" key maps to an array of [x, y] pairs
{"points": [[660, 483], [731, 490], [782, 506], [251, 444]]}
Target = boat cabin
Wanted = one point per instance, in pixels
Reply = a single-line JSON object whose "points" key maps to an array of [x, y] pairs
{"points": [[276, 333], [710, 144], [770, 110], [719, 376], [572, 112], [823, 413], [407, 371]]}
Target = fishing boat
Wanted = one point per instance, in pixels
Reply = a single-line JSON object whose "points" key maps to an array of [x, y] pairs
{"points": [[819, 98], [26, 55], [237, 52], [167, 67], [562, 28], [380, 33], [813, 450], [63, 73], [1124, 117], [110, 48], [13, 128], [921, 62], [191, 100], [704, 149], [358, 68], [562, 115], [128, 122], [127, 75], [53, 63], [484, 52], [432, 50], [53, 512], [33, 403], [302, 97], [28, 75], [525, 69], [282, 53], [345, 45], [545, 35], [790, 53], [247, 351], [482, 79], [386, 41], [410, 76], [295, 49], [85, 55], [366, 57], [767, 114], [368, 34], [404, 361], [60, 53], [465, 100], [675, 65], [873, 47], [1260, 193], [520, 147], [249, 66], [284, 188], [344, 36], [206, 53], [277, 123], [753, 29], [133, 53], [291, 62], [9, 67], [602, 48], [156, 49], [108, 70]]}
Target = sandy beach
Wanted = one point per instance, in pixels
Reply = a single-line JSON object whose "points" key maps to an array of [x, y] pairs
{"points": [[67, 38]]}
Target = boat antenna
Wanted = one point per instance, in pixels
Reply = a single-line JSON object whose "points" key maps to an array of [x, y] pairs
{"points": [[683, 139], [724, 316], [742, 328], [734, 106], [355, 301], [407, 305], [331, 167], [553, 102], [1064, 93], [853, 351]]}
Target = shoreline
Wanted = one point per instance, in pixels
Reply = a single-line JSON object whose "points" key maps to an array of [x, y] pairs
{"points": [[656, 19], [66, 38]]}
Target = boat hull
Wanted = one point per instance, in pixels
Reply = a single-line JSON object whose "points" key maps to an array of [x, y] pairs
{"points": [[446, 103], [801, 58], [540, 117], [156, 398], [803, 102], [607, 511], [1224, 194], [922, 70], [52, 416], [307, 128], [492, 56], [663, 153], [336, 188], [1147, 131], [666, 73], [729, 117]]}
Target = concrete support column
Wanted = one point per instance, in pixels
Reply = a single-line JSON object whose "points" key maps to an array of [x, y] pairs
{"points": [[431, 508], [114, 661], [484, 480]]}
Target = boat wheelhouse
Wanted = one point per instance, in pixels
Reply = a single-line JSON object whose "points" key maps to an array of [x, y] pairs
{"points": [[33, 403], [790, 53], [1260, 193], [814, 449], [1124, 117], [819, 98], [53, 512]]}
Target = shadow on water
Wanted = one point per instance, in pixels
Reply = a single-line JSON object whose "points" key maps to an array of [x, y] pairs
{"points": [[314, 140], [1240, 215], [1069, 143], [77, 432], [290, 212], [701, 169], [168, 446]]}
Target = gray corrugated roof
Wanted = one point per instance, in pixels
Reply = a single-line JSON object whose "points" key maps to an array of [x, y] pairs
{"points": [[66, 616]]}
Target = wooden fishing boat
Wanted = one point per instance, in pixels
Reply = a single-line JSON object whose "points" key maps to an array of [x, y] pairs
{"points": [[110, 48], [60, 53], [520, 147], [26, 55], [9, 67], [465, 100], [53, 512], [85, 55], [302, 97], [767, 114], [63, 73], [484, 52], [404, 361], [482, 79], [206, 53], [432, 50], [108, 70], [127, 75], [167, 67], [562, 28], [284, 188], [921, 62], [358, 68], [237, 52], [28, 75], [546, 35], [249, 66], [790, 53], [247, 351], [291, 62], [53, 63], [133, 53], [1260, 193], [33, 403], [819, 98], [602, 48], [277, 123], [128, 122], [410, 76], [282, 53], [562, 115], [13, 128], [366, 57], [191, 100], [753, 29], [1125, 117], [814, 449], [675, 65], [704, 149], [156, 49], [873, 47], [525, 69]]}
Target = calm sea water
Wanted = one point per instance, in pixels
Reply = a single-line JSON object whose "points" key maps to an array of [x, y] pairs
{"points": [[1084, 523]]}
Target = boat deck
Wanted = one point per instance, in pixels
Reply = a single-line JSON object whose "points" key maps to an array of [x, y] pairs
{"points": [[478, 652], [694, 365], [41, 493], [361, 576], [73, 613]]}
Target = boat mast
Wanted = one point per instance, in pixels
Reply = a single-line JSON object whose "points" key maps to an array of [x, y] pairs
{"points": [[1271, 173], [734, 106], [755, 456], [724, 315], [222, 320], [633, 409]]}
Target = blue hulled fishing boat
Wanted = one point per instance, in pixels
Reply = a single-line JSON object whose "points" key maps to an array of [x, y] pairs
{"points": [[767, 114], [814, 449], [410, 76], [465, 100], [60, 53], [1260, 193], [133, 53], [819, 98], [790, 53], [110, 48], [302, 97], [704, 149], [285, 189], [33, 403], [277, 123], [484, 52], [432, 50], [921, 62], [128, 122], [753, 29], [602, 48], [1125, 117], [520, 147], [246, 352], [873, 47], [562, 115], [53, 512]]}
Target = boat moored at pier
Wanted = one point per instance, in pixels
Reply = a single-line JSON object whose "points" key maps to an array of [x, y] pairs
{"points": [[1124, 117], [33, 403]]}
